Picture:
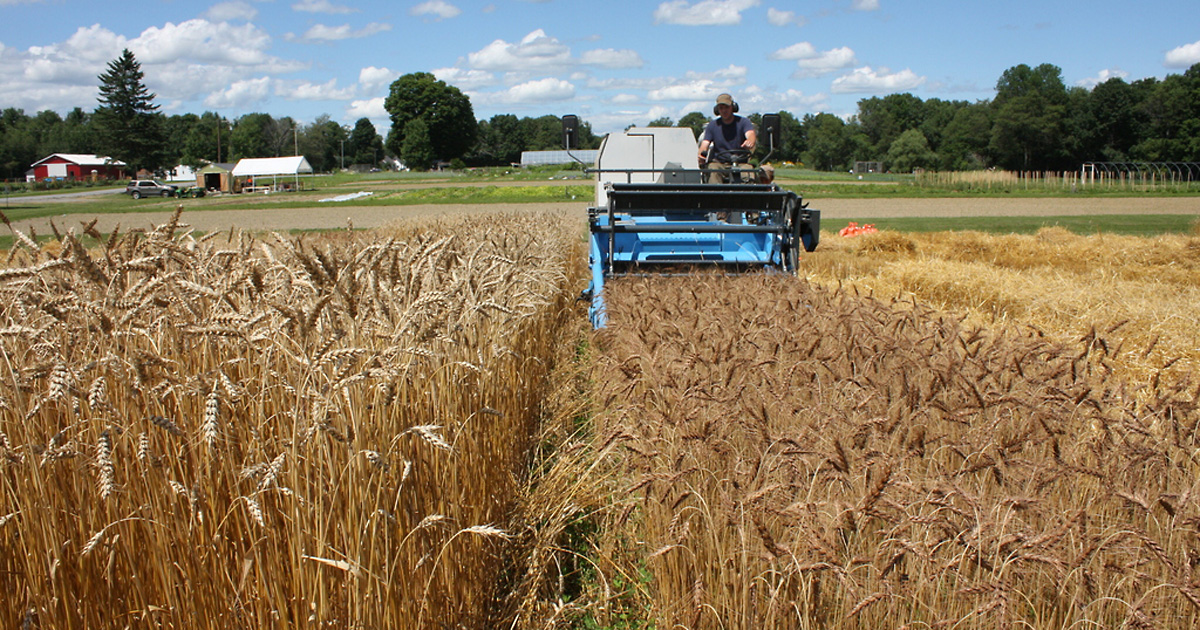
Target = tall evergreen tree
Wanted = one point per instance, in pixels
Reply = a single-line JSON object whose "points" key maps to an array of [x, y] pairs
{"points": [[127, 120]]}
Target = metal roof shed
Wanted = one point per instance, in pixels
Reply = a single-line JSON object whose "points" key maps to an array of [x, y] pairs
{"points": [[274, 168]]}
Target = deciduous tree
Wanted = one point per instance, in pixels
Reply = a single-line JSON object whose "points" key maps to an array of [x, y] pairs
{"points": [[364, 145], [417, 150], [447, 114]]}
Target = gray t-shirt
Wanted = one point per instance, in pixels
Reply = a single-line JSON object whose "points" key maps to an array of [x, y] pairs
{"points": [[727, 137]]}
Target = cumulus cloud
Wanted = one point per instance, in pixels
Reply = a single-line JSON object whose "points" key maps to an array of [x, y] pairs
{"points": [[703, 13], [309, 91], [241, 94], [610, 58], [540, 91], [229, 11], [371, 108], [436, 10], [1184, 56], [1104, 75], [372, 78], [802, 50], [824, 63], [779, 17], [322, 6], [797, 101], [183, 62], [692, 86], [324, 33], [536, 51], [690, 91], [867, 80], [465, 79], [203, 41]]}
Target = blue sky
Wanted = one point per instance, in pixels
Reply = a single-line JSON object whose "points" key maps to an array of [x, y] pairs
{"points": [[614, 62]]}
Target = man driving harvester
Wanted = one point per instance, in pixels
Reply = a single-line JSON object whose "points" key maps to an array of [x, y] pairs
{"points": [[726, 138]]}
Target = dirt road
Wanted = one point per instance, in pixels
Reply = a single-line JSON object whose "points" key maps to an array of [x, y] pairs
{"points": [[341, 216]]}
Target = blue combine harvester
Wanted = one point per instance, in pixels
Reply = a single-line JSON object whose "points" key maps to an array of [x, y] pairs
{"points": [[655, 214]]}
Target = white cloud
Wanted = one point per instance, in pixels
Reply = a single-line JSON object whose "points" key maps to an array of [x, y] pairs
{"points": [[1184, 56], [698, 90], [866, 80], [730, 73], [802, 50], [241, 94], [229, 11], [540, 91], [865, 5], [203, 41], [465, 79], [183, 64], [825, 62], [321, 32], [309, 91], [436, 10], [535, 52], [610, 58], [703, 13], [92, 44], [624, 99], [1104, 75], [370, 108], [322, 6], [371, 78], [778, 17], [796, 101]]}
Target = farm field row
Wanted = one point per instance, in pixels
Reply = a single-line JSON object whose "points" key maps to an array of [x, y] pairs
{"points": [[950, 429], [336, 216], [388, 427]]}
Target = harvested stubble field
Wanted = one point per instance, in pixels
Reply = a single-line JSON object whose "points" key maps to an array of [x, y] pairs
{"points": [[412, 428]]}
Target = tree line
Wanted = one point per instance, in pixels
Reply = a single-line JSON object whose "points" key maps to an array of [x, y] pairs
{"points": [[1034, 123]]}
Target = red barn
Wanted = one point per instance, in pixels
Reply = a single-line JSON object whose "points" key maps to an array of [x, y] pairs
{"points": [[78, 166]]}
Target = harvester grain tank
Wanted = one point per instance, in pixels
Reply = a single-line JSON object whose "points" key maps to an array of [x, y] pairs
{"points": [[655, 213]]}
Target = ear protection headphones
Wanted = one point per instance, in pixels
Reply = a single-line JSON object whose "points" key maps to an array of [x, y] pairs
{"points": [[717, 111]]}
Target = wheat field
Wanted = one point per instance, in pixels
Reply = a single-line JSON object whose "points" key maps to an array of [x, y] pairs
{"points": [[414, 427], [241, 431]]}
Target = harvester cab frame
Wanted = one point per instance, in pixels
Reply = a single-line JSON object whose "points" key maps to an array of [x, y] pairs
{"points": [[654, 213]]}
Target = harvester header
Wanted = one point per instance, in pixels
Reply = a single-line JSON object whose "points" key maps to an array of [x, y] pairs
{"points": [[657, 211]]}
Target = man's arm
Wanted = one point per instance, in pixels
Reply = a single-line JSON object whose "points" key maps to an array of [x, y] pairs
{"points": [[705, 142], [751, 140]]}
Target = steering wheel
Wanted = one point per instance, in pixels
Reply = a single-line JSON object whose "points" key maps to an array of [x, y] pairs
{"points": [[730, 156]]}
